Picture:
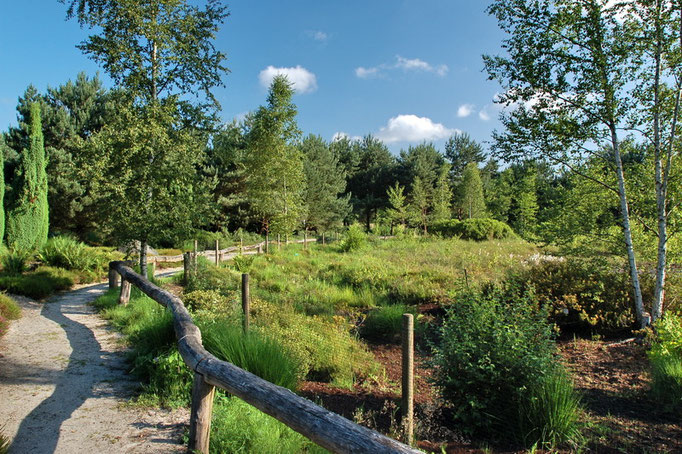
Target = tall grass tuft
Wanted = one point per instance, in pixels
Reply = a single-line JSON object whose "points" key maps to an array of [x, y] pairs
{"points": [[4, 443], [69, 253], [14, 261], [385, 323], [9, 309], [550, 416], [250, 351]]}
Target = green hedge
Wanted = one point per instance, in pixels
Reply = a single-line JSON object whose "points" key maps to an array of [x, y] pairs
{"points": [[477, 229]]}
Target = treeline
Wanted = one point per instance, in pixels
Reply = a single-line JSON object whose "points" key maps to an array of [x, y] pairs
{"points": [[262, 175]]}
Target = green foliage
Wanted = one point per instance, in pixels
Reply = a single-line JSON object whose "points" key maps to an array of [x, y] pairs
{"points": [[666, 362], [274, 165], [385, 323], [28, 217], [237, 427], [582, 294], [494, 353], [38, 284], [420, 204], [242, 263], [252, 351], [323, 349], [66, 252], [481, 229], [472, 201], [4, 442], [353, 239], [211, 303], [397, 212], [2, 188], [14, 261], [9, 310]]}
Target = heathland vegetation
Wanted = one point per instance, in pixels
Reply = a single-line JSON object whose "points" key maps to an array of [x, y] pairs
{"points": [[565, 229]]}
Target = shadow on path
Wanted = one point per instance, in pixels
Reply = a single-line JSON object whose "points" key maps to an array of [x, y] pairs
{"points": [[87, 370]]}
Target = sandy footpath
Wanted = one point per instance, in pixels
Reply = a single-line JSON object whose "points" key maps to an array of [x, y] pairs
{"points": [[63, 385]]}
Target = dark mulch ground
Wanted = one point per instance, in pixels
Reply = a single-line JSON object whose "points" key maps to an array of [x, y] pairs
{"points": [[612, 378]]}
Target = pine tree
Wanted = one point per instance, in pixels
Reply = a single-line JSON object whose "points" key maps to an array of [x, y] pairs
{"points": [[28, 216], [472, 202], [398, 211], [442, 194]]}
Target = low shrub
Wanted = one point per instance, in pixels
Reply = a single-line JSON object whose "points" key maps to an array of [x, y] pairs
{"points": [[9, 308], [354, 238], [251, 351], [582, 294], [385, 323], [14, 261], [666, 362], [210, 304], [477, 229], [40, 283], [324, 349], [494, 357], [209, 277], [71, 254], [238, 427]]}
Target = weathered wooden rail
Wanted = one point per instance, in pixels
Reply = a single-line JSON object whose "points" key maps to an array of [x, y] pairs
{"points": [[221, 252], [327, 429]]}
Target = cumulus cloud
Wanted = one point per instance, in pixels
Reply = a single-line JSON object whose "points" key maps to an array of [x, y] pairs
{"points": [[411, 128], [303, 81], [465, 110], [483, 114], [401, 63], [318, 35]]}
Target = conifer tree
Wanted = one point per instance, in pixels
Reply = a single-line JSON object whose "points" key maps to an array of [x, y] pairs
{"points": [[442, 194], [419, 208], [398, 211], [28, 221], [472, 202]]}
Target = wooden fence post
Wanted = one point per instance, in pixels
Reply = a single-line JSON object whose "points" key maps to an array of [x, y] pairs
{"points": [[267, 242], [187, 263], [305, 238], [114, 279], [152, 268], [200, 418], [279, 243], [408, 378], [245, 301], [323, 238], [217, 252], [124, 297]]}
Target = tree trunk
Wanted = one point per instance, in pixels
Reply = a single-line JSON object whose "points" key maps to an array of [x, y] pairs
{"points": [[627, 232], [143, 258]]}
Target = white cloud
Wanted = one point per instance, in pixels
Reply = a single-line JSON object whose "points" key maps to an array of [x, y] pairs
{"points": [[465, 110], [367, 73], [483, 114], [318, 35], [303, 81], [411, 128], [405, 64], [342, 135]]}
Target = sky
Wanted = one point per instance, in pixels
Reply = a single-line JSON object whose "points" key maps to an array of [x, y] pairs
{"points": [[405, 71]]}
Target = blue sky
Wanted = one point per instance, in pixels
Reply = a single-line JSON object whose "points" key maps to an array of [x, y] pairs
{"points": [[403, 70]]}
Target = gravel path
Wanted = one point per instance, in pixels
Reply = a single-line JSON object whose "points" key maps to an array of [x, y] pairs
{"points": [[63, 385]]}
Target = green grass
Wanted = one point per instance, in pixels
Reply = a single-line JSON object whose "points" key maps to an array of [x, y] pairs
{"points": [[38, 284], [9, 308], [237, 427], [4, 443], [666, 383], [385, 323]]}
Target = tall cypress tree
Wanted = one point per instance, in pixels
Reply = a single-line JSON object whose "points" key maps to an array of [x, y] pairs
{"points": [[28, 216]]}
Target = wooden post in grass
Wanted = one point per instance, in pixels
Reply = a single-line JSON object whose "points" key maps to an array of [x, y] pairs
{"points": [[217, 252], [323, 238], [279, 242], [114, 279], [200, 418], [305, 238], [267, 242], [408, 378], [245, 301], [124, 297], [187, 263]]}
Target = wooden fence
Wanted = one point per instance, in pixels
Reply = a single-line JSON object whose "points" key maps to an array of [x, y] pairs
{"points": [[327, 429]]}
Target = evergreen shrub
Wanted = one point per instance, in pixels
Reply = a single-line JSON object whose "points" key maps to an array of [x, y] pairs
{"points": [[353, 239], [476, 229]]}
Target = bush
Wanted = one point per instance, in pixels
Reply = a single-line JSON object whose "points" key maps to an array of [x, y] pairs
{"points": [[666, 362], [353, 239], [477, 229], [494, 355], [237, 427], [210, 303], [38, 284], [14, 261], [251, 351], [66, 252], [582, 294], [242, 263], [385, 323]]}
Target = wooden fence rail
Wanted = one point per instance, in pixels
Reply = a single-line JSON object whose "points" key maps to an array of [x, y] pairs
{"points": [[327, 429], [221, 252]]}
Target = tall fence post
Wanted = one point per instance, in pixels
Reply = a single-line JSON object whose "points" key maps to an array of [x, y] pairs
{"points": [[408, 378], [305, 238], [114, 279], [187, 264], [217, 252], [267, 242], [245, 301], [124, 297], [200, 418]]}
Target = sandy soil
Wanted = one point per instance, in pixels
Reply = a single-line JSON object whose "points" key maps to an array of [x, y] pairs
{"points": [[64, 386]]}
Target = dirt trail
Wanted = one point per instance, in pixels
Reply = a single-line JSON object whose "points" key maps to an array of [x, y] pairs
{"points": [[63, 385]]}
